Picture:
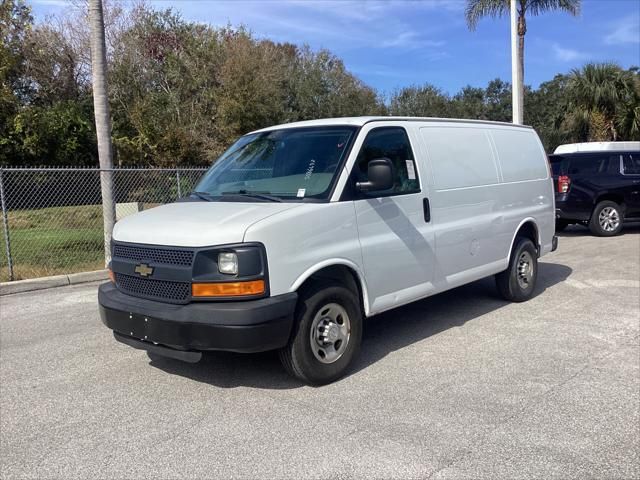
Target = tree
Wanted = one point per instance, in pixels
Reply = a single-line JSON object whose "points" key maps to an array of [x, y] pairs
{"points": [[424, 101], [477, 9], [15, 24], [103, 120], [604, 102], [546, 110]]}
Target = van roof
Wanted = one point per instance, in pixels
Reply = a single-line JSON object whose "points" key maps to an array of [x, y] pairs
{"points": [[360, 121], [598, 147]]}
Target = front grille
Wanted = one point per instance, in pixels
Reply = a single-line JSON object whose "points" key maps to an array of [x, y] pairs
{"points": [[161, 289], [154, 255]]}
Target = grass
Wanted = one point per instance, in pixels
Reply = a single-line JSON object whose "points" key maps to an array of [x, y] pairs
{"points": [[52, 241]]}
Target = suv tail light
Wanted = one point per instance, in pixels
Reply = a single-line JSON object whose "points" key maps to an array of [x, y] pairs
{"points": [[563, 184]]}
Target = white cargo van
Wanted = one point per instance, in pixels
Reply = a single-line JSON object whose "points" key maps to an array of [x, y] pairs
{"points": [[300, 231]]}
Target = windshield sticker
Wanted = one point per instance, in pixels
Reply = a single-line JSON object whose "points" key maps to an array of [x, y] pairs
{"points": [[312, 165], [301, 192], [411, 171]]}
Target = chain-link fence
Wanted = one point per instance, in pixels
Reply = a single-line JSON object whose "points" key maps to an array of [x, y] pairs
{"points": [[52, 217]]}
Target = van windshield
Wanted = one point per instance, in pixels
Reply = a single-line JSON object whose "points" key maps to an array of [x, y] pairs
{"points": [[292, 163]]}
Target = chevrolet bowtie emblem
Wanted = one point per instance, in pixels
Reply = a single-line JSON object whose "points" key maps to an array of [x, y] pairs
{"points": [[143, 270]]}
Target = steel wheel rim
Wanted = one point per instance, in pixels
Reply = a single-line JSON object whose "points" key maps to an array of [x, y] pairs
{"points": [[330, 333], [525, 270], [609, 219]]}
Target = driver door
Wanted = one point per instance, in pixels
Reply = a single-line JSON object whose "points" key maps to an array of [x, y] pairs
{"points": [[395, 236]]}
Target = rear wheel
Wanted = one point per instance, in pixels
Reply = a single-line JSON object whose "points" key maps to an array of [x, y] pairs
{"points": [[606, 219], [327, 334], [518, 282]]}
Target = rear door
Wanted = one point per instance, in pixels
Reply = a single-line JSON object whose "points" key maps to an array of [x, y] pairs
{"points": [[631, 179], [590, 175]]}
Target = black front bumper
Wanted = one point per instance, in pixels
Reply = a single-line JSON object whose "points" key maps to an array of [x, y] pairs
{"points": [[242, 326]]}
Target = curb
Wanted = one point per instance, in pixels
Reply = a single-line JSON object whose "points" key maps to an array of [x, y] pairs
{"points": [[19, 286]]}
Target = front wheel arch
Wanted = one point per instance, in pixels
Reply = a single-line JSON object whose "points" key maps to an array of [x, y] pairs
{"points": [[339, 271]]}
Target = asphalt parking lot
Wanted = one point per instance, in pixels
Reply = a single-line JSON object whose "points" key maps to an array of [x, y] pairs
{"points": [[461, 385]]}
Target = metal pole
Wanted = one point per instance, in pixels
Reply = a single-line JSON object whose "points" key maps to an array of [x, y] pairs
{"points": [[516, 81], [178, 180], [5, 224]]}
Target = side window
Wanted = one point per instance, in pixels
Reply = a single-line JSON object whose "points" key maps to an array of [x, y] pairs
{"points": [[614, 165], [631, 163], [588, 165], [391, 143]]}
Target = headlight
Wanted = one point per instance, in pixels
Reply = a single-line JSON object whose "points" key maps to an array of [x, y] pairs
{"points": [[228, 263]]}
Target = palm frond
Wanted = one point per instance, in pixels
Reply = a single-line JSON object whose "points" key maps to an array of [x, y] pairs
{"points": [[536, 7], [477, 9]]}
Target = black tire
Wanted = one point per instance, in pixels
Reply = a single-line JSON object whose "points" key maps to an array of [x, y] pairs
{"points": [[298, 358], [561, 225], [595, 225], [509, 282]]}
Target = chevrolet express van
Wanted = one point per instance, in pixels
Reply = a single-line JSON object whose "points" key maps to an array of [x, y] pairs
{"points": [[301, 231]]}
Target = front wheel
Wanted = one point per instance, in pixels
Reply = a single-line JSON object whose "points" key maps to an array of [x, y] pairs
{"points": [[327, 335], [518, 282], [606, 219]]}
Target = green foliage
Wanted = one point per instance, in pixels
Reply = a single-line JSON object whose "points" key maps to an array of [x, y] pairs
{"points": [[58, 134], [492, 103], [604, 100], [477, 9], [181, 92], [425, 101]]}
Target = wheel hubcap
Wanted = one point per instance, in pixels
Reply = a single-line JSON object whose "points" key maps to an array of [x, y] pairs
{"points": [[330, 332], [609, 219], [525, 270]]}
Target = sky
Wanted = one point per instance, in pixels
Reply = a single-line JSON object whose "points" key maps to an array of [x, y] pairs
{"points": [[395, 43]]}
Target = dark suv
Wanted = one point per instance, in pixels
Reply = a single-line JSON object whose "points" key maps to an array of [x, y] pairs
{"points": [[597, 189]]}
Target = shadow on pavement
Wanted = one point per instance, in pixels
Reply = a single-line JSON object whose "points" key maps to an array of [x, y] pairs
{"points": [[383, 334], [579, 230]]}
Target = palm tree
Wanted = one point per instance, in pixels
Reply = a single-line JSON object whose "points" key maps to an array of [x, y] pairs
{"points": [[477, 9], [604, 102], [103, 119]]}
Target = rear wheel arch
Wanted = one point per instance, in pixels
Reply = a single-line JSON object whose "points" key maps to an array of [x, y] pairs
{"points": [[527, 229], [611, 197]]}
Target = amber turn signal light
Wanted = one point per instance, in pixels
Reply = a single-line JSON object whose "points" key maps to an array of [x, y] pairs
{"points": [[228, 289], [112, 276]]}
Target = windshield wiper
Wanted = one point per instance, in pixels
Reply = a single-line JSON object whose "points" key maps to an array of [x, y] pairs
{"points": [[262, 196], [203, 196]]}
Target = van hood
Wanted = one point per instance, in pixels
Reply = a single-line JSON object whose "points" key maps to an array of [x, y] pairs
{"points": [[195, 224]]}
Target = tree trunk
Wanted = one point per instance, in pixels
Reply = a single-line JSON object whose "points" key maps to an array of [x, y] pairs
{"points": [[522, 30], [103, 120]]}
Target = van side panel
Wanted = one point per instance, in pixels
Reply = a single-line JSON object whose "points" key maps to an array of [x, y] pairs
{"points": [[519, 155], [486, 180], [468, 212], [527, 185]]}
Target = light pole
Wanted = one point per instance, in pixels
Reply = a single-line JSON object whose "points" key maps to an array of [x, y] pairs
{"points": [[516, 81]]}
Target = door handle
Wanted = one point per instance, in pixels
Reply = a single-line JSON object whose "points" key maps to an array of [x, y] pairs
{"points": [[427, 210]]}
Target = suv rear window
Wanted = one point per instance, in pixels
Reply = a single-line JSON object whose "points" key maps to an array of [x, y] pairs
{"points": [[556, 164], [588, 165], [631, 163]]}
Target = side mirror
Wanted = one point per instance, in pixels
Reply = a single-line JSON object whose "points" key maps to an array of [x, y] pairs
{"points": [[379, 175]]}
